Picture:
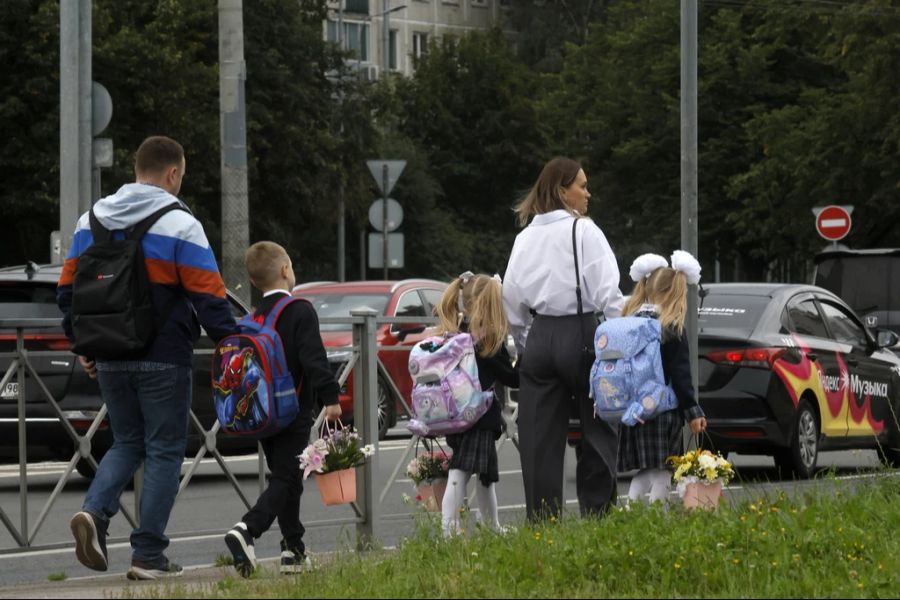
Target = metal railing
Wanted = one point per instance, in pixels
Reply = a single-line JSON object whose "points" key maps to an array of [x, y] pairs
{"points": [[363, 362]]}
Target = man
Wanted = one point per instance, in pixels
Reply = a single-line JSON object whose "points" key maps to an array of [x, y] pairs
{"points": [[148, 396]]}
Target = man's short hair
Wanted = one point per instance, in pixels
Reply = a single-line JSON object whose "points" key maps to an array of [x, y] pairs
{"points": [[156, 154], [263, 261]]}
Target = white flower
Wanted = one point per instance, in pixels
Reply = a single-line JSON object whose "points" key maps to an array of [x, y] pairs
{"points": [[645, 264], [706, 461], [368, 450]]}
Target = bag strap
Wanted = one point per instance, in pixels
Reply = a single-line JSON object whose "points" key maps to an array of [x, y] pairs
{"points": [[273, 315], [144, 225], [577, 272]]}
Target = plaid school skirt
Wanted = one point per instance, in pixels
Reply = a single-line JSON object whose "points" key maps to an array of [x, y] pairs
{"points": [[647, 446], [475, 451]]}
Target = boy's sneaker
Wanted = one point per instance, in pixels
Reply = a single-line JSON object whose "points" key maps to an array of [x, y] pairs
{"points": [[240, 543], [90, 541], [294, 562], [142, 570]]}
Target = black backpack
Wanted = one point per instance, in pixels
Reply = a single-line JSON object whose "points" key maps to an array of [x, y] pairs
{"points": [[112, 310]]}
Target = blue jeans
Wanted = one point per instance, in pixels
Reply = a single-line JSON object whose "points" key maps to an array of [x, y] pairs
{"points": [[148, 416]]}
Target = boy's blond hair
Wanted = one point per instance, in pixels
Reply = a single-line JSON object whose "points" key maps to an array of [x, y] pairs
{"points": [[482, 302], [666, 288], [264, 261]]}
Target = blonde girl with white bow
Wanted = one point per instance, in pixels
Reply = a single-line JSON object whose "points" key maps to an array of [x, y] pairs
{"points": [[474, 304], [661, 292]]}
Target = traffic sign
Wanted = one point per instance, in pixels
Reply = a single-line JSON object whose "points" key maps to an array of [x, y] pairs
{"points": [[394, 168], [833, 222], [394, 215], [101, 107], [394, 251]]}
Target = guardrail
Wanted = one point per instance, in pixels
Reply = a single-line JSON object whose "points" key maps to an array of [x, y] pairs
{"points": [[363, 362]]}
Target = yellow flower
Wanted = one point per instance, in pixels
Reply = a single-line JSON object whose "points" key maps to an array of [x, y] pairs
{"points": [[677, 565]]}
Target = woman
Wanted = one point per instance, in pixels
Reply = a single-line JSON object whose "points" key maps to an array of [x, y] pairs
{"points": [[539, 295]]}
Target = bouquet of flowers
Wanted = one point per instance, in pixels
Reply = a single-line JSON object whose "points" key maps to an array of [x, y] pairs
{"points": [[428, 467], [702, 467], [336, 450]]}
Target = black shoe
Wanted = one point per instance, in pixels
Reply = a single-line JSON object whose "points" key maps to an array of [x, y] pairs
{"points": [[240, 543], [142, 570], [293, 561], [90, 541]]}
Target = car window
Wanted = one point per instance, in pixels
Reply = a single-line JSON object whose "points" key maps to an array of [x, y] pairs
{"points": [[28, 300], [738, 314], [805, 319], [410, 305], [340, 305], [432, 299], [843, 327]]}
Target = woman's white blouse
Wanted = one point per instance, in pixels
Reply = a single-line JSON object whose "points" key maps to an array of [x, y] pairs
{"points": [[541, 272]]}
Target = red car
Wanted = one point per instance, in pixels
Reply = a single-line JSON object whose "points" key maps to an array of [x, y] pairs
{"points": [[406, 298]]}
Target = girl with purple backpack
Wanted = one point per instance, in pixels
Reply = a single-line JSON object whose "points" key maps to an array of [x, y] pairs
{"points": [[474, 304], [660, 292]]}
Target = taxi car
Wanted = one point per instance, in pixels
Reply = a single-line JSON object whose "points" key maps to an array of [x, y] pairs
{"points": [[790, 370]]}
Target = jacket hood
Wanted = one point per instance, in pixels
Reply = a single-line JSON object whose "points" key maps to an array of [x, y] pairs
{"points": [[131, 204]]}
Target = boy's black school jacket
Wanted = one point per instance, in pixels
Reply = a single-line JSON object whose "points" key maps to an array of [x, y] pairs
{"points": [[307, 361]]}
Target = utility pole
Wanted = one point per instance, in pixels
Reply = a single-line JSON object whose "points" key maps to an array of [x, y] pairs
{"points": [[689, 161], [75, 116], [233, 130], [386, 41], [342, 211]]}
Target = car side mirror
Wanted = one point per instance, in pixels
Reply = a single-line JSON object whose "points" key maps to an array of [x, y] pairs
{"points": [[406, 329], [886, 338]]}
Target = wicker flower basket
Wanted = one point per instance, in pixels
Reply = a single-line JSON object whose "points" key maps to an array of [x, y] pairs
{"points": [[431, 494], [337, 487]]}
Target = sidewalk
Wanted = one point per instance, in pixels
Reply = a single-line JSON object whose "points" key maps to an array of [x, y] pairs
{"points": [[115, 585]]}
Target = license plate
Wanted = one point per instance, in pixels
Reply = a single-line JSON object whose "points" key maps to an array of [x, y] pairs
{"points": [[11, 391]]}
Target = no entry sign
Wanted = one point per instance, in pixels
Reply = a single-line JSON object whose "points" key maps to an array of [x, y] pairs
{"points": [[833, 223]]}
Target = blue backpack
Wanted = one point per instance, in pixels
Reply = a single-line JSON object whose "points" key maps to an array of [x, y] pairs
{"points": [[253, 390], [627, 381]]}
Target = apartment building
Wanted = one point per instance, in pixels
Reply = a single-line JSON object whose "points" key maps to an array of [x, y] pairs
{"points": [[412, 24]]}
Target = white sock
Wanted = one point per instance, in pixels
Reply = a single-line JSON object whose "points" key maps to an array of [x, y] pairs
{"points": [[487, 504], [640, 485], [454, 497], [660, 480]]}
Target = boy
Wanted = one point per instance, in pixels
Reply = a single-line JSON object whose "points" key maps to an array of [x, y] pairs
{"points": [[271, 272]]}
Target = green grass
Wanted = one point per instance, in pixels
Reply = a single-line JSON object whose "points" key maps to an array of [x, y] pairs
{"points": [[828, 545]]}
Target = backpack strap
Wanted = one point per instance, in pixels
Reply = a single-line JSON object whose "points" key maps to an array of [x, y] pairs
{"points": [[271, 318], [144, 225]]}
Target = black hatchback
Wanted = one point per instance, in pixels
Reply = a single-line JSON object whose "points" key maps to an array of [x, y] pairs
{"points": [[30, 292], [789, 370]]}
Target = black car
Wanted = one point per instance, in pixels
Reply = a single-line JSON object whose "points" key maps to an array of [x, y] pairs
{"points": [[789, 370], [30, 292]]}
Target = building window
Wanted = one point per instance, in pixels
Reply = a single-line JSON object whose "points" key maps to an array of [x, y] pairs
{"points": [[356, 38], [419, 44]]}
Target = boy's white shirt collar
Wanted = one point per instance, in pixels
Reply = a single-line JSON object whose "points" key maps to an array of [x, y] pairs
{"points": [[273, 292]]}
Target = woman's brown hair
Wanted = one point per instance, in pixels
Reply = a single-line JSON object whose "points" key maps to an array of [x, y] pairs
{"points": [[482, 305], [545, 195]]}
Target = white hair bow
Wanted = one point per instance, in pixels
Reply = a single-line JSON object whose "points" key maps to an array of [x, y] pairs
{"points": [[645, 264], [687, 264], [497, 278]]}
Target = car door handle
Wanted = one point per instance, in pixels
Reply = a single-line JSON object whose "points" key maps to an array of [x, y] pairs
{"points": [[852, 362], [812, 356]]}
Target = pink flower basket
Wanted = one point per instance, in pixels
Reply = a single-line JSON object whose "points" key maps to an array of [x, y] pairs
{"points": [[337, 487], [703, 495], [431, 494]]}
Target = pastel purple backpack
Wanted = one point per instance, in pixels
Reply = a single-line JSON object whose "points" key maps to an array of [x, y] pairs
{"points": [[446, 397]]}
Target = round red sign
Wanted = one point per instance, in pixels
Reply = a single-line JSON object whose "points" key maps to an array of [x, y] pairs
{"points": [[833, 223]]}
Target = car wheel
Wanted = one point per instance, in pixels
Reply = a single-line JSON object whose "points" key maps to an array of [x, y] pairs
{"points": [[889, 452], [385, 408], [85, 469], [800, 458]]}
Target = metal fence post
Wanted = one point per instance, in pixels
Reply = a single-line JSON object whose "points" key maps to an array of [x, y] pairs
{"points": [[23, 446], [365, 416]]}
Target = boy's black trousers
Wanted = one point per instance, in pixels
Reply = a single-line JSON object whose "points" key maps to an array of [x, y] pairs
{"points": [[281, 499]]}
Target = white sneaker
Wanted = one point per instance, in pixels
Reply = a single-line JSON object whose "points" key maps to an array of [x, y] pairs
{"points": [[240, 543]]}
